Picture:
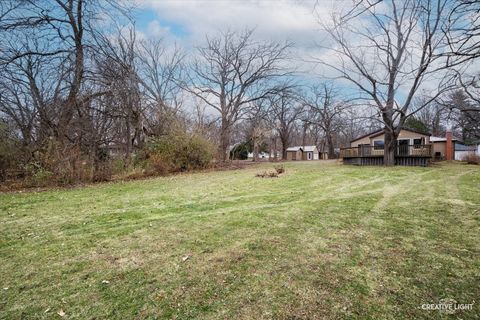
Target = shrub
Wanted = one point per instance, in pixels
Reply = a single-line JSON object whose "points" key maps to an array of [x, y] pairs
{"points": [[37, 176], [118, 165], [200, 153], [472, 158], [41, 178], [179, 152], [279, 169], [65, 162], [241, 150], [9, 150]]}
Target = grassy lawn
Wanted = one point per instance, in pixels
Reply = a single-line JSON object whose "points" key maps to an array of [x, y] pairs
{"points": [[322, 241]]}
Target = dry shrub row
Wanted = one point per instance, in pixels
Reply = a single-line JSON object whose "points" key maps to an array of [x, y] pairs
{"points": [[58, 165]]}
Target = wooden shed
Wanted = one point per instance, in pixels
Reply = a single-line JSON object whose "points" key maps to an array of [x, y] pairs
{"points": [[302, 153], [310, 153], [294, 153]]}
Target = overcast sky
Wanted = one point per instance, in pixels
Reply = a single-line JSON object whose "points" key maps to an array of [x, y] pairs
{"points": [[191, 20], [188, 21]]}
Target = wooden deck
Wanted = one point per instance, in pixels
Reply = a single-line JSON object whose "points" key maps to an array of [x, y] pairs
{"points": [[406, 155]]}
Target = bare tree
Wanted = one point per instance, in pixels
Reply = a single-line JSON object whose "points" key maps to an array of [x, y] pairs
{"points": [[463, 115], [258, 128], [356, 122], [285, 109], [63, 21], [463, 37], [326, 113], [117, 65], [432, 116], [56, 35], [390, 53], [233, 71], [471, 87], [159, 74], [462, 31]]}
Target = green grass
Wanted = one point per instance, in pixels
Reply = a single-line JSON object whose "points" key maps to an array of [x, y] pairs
{"points": [[322, 241]]}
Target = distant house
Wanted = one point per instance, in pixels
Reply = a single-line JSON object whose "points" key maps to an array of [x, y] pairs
{"points": [[461, 151], [451, 148], [302, 153], [261, 155], [413, 148], [265, 155]]}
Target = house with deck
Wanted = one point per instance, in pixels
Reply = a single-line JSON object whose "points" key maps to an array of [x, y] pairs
{"points": [[413, 149]]}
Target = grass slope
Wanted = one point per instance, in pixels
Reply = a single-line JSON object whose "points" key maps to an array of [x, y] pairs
{"points": [[322, 241]]}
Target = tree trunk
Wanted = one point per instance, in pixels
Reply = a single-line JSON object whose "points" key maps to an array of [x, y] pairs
{"points": [[224, 141], [284, 141], [255, 139], [331, 149], [390, 144], [273, 148], [390, 140], [128, 143], [304, 135], [255, 149]]}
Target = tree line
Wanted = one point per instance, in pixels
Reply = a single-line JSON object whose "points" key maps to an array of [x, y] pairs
{"points": [[82, 93]]}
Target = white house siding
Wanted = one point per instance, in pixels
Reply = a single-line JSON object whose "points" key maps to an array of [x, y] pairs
{"points": [[460, 155]]}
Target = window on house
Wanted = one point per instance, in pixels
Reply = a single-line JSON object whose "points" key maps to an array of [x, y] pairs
{"points": [[378, 145], [417, 143]]}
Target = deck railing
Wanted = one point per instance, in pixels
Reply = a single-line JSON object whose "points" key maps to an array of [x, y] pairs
{"points": [[368, 151]]}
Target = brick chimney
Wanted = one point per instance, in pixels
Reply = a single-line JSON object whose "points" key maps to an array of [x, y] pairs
{"points": [[449, 145]]}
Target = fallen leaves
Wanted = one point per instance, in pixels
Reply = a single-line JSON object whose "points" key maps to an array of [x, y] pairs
{"points": [[267, 174]]}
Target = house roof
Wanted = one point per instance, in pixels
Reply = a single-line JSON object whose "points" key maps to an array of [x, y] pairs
{"points": [[309, 148], [368, 134], [442, 139], [303, 148], [462, 147], [381, 131]]}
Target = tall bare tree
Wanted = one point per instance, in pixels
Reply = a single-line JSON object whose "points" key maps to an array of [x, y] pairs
{"points": [[389, 52], [462, 31], [233, 71], [327, 111], [56, 34], [159, 74], [432, 116], [463, 115], [285, 109], [118, 66], [258, 128]]}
